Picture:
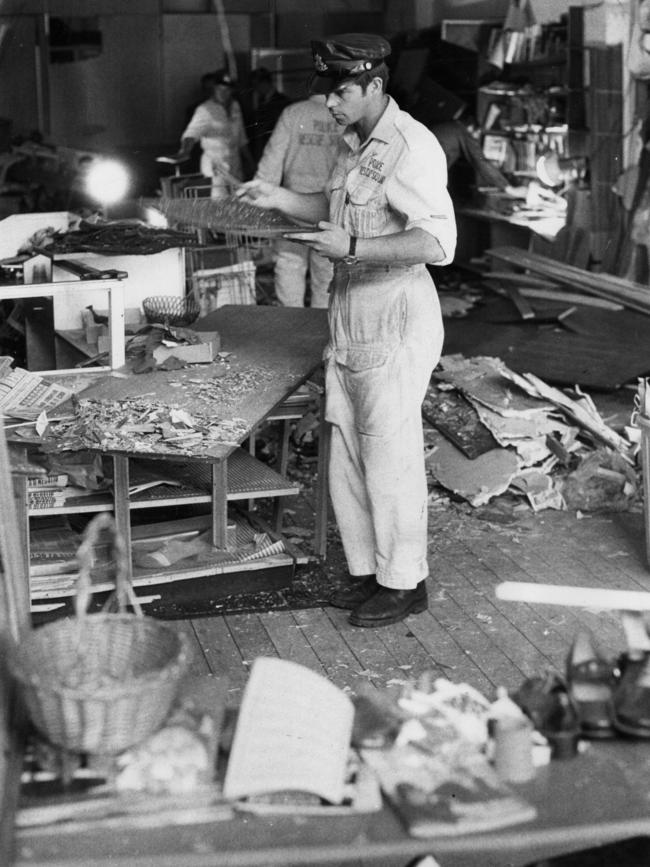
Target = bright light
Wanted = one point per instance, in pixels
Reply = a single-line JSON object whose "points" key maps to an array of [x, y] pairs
{"points": [[156, 218], [107, 181]]}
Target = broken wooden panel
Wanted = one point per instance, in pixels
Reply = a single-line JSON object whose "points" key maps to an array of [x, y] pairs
{"points": [[478, 480], [528, 436], [457, 419], [483, 379], [583, 411]]}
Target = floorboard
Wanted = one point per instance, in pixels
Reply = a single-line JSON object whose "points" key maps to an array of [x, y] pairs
{"points": [[467, 635]]}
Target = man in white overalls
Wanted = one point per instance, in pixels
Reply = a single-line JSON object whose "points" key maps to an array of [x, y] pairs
{"points": [[385, 212]]}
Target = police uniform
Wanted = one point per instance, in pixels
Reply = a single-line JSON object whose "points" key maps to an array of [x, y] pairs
{"points": [[386, 330], [300, 155]]}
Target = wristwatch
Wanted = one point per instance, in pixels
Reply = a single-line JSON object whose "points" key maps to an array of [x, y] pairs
{"points": [[351, 258]]}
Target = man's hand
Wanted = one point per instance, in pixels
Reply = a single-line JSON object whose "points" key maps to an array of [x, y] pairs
{"points": [[260, 193], [332, 241]]}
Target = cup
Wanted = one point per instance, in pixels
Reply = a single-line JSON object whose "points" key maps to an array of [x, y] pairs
{"points": [[513, 750]]}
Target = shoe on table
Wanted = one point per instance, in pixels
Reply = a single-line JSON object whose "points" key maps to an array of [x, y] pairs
{"points": [[387, 606], [360, 589], [632, 697], [591, 681]]}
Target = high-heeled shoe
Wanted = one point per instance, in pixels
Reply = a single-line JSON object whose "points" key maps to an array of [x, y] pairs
{"points": [[591, 682]]}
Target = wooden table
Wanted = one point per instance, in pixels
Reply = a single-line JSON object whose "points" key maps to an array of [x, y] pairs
{"points": [[593, 799], [482, 228], [273, 351]]}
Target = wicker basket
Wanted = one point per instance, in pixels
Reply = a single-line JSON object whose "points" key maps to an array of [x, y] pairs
{"points": [[170, 310], [100, 683]]}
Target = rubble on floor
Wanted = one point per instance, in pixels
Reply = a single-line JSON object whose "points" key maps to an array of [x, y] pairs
{"points": [[514, 433]]}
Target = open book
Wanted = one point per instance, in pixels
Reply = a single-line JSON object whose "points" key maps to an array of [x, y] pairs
{"points": [[292, 735]]}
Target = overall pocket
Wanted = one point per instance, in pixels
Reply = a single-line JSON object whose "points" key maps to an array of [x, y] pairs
{"points": [[371, 379]]}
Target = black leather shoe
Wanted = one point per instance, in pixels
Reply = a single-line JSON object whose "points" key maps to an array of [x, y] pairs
{"points": [[632, 697], [360, 589], [388, 606], [591, 681]]}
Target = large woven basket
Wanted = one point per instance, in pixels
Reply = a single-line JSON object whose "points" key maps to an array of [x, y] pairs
{"points": [[100, 683]]}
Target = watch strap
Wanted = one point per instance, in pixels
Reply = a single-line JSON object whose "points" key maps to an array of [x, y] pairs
{"points": [[352, 250]]}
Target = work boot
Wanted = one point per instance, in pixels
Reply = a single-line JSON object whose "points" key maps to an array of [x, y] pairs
{"points": [[388, 606], [360, 589]]}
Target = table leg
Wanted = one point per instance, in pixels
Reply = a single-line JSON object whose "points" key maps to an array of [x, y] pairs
{"points": [[121, 505], [322, 488], [116, 324], [278, 506], [220, 506]]}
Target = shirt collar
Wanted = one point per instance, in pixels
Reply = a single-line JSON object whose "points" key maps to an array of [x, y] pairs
{"points": [[383, 129]]}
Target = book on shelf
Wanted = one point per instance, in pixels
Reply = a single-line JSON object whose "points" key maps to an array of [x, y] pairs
{"points": [[52, 498], [50, 480], [292, 735]]}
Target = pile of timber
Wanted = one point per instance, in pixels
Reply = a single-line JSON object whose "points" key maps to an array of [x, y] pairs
{"points": [[636, 296]]}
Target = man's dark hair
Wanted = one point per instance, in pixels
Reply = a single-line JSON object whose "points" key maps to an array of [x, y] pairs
{"points": [[364, 79]]}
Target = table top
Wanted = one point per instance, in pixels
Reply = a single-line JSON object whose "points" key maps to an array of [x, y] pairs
{"points": [[598, 797], [269, 352], [542, 223]]}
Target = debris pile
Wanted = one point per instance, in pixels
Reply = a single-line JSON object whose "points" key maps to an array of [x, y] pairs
{"points": [[494, 431]]}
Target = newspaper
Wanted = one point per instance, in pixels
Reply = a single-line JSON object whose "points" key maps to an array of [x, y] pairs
{"points": [[23, 393]]}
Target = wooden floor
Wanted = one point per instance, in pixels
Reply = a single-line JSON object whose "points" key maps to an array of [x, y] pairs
{"points": [[467, 635]]}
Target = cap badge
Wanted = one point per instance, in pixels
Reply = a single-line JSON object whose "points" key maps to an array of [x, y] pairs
{"points": [[319, 63]]}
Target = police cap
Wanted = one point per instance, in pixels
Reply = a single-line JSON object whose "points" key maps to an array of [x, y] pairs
{"points": [[345, 56]]}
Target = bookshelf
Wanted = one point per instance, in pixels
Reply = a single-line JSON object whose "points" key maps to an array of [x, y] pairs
{"points": [[534, 101]]}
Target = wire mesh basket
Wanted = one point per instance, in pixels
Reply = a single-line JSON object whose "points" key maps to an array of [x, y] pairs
{"points": [[100, 683], [169, 310]]}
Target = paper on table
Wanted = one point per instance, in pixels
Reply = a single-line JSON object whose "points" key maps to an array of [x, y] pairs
{"points": [[293, 734]]}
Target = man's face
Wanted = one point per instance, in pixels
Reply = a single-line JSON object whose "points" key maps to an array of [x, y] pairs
{"points": [[347, 103], [222, 93]]}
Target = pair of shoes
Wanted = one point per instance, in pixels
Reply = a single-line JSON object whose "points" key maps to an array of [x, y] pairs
{"points": [[592, 682], [632, 697], [546, 701], [387, 606], [361, 588]]}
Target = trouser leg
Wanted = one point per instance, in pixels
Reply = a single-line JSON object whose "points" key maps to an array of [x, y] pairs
{"points": [[290, 273], [377, 472], [320, 277], [350, 501]]}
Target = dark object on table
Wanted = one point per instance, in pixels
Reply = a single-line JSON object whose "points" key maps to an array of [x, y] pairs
{"points": [[171, 311], [376, 720], [550, 707], [98, 318], [116, 237], [591, 681], [632, 697]]}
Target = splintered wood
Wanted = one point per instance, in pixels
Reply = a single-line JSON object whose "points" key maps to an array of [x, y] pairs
{"points": [[189, 417], [537, 441]]}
